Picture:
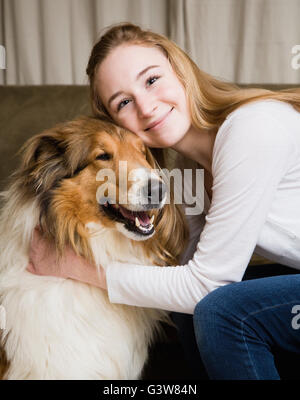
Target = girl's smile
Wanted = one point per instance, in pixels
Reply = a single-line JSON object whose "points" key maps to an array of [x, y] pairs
{"points": [[159, 122], [142, 93]]}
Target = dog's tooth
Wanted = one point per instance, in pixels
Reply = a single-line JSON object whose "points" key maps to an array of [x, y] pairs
{"points": [[137, 222], [152, 219]]}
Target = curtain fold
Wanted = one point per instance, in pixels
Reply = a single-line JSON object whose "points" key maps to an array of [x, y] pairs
{"points": [[244, 41]]}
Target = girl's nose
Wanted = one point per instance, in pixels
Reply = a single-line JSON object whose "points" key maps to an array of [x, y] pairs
{"points": [[146, 106]]}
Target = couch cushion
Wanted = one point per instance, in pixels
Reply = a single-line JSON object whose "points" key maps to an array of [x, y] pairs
{"points": [[27, 110]]}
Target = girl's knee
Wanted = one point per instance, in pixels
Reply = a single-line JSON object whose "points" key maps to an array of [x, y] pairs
{"points": [[217, 307], [220, 298], [212, 315]]}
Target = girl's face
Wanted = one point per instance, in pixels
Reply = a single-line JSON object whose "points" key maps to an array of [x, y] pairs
{"points": [[142, 93]]}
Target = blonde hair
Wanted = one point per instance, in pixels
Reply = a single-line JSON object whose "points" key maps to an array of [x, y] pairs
{"points": [[210, 99]]}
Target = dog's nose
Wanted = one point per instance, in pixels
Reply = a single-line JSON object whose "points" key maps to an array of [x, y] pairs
{"points": [[154, 191]]}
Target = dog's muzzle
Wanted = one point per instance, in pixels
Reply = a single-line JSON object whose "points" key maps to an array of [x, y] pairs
{"points": [[154, 192], [135, 215]]}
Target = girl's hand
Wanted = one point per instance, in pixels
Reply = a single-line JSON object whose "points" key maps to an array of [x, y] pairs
{"points": [[42, 261]]}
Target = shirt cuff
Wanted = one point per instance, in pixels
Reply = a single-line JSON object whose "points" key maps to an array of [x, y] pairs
{"points": [[116, 275]]}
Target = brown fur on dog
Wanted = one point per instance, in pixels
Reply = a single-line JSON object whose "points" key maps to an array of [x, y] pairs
{"points": [[60, 161]]}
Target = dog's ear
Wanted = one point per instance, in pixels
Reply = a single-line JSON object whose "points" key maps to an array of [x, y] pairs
{"points": [[43, 163], [51, 156]]}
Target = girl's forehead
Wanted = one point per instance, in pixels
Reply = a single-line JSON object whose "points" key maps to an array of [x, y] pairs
{"points": [[123, 65], [133, 56]]}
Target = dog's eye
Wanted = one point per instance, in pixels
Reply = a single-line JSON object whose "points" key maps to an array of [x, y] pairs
{"points": [[103, 157]]}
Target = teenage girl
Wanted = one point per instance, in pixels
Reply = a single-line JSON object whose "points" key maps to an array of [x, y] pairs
{"points": [[248, 142]]}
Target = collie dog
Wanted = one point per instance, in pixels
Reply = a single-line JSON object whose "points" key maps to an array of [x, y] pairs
{"points": [[61, 328]]}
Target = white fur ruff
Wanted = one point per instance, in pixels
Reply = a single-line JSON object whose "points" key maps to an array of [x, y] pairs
{"points": [[63, 329]]}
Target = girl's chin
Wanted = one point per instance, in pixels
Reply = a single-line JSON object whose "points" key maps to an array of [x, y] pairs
{"points": [[163, 140]]}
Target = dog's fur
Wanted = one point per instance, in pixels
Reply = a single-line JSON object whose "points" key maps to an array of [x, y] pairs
{"points": [[61, 328]]}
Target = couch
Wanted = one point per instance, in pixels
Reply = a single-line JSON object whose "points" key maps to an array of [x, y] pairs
{"points": [[27, 110]]}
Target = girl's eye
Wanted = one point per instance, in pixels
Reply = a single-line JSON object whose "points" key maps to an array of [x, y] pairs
{"points": [[151, 80], [122, 104]]}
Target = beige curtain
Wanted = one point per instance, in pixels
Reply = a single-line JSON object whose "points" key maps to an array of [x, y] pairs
{"points": [[245, 41], [49, 41]]}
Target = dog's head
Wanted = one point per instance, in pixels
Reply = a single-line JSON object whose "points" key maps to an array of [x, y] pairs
{"points": [[90, 171]]}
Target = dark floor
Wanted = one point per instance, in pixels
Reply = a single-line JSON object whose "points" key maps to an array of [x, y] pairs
{"points": [[170, 358]]}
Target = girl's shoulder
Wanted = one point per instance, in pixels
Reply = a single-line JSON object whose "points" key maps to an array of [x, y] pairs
{"points": [[259, 117], [269, 106], [262, 123]]}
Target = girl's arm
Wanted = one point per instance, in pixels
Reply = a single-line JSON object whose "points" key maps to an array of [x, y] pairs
{"points": [[252, 153]]}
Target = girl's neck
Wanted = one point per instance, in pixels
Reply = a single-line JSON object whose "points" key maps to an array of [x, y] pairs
{"points": [[198, 144]]}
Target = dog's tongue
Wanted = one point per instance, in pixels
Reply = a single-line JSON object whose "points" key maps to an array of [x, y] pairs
{"points": [[142, 216]]}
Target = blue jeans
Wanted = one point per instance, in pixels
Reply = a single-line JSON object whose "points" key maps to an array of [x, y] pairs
{"points": [[239, 326]]}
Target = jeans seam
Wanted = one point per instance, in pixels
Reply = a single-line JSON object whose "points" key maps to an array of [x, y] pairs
{"points": [[250, 315]]}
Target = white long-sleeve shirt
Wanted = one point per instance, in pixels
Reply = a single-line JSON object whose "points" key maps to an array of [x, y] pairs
{"points": [[255, 207]]}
